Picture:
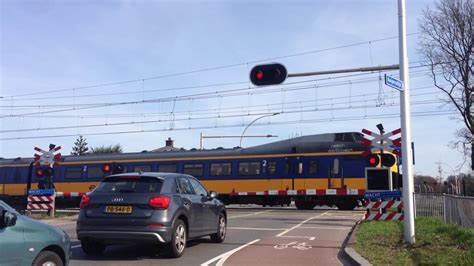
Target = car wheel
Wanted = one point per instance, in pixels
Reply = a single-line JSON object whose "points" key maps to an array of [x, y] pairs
{"points": [[47, 258], [91, 247], [178, 240], [221, 230]]}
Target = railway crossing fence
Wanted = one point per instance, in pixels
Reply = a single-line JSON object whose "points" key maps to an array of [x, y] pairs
{"points": [[451, 209]]}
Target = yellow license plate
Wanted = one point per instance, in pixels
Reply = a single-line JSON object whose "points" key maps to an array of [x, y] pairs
{"points": [[118, 209]]}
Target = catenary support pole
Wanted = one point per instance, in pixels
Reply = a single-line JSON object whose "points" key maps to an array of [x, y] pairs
{"points": [[409, 223]]}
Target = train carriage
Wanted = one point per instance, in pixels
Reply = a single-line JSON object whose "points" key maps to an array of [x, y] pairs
{"points": [[316, 169]]}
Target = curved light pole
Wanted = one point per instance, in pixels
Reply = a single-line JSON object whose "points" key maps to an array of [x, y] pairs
{"points": [[255, 120], [456, 190]]}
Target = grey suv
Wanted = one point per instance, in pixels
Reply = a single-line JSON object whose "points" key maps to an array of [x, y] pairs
{"points": [[156, 208]]}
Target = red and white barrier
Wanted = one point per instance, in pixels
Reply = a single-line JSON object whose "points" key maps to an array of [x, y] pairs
{"points": [[380, 210], [302, 192], [40, 203], [392, 216], [70, 194]]}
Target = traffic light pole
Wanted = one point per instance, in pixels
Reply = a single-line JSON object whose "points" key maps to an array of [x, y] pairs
{"points": [[408, 190]]}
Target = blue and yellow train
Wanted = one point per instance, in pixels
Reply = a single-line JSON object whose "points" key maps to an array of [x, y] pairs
{"points": [[331, 162]]}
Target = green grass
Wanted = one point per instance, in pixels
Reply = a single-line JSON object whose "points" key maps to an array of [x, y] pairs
{"points": [[437, 243]]}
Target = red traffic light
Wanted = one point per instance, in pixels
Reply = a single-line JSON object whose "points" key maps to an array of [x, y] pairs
{"points": [[39, 172], [373, 160], [106, 168], [270, 74]]}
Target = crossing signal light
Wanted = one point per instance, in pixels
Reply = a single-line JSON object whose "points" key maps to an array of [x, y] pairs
{"points": [[118, 169], [373, 160], [39, 172], [388, 160], [106, 168], [270, 74], [45, 171]]}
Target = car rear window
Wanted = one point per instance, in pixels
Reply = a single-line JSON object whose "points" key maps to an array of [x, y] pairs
{"points": [[130, 184]]}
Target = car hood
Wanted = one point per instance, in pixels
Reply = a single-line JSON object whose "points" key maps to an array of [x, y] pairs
{"points": [[37, 230]]}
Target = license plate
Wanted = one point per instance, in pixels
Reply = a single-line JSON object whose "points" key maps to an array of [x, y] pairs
{"points": [[118, 209]]}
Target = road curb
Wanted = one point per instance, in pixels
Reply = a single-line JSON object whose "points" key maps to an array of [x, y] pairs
{"points": [[349, 253]]}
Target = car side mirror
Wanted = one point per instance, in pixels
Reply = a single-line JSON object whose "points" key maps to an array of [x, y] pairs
{"points": [[9, 219], [212, 194]]}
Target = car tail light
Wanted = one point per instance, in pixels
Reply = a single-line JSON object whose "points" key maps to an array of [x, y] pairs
{"points": [[160, 202], [85, 202]]}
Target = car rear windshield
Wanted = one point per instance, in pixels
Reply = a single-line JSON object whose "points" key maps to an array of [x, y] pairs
{"points": [[130, 184]]}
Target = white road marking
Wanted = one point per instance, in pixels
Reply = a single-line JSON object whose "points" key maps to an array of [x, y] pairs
{"points": [[300, 224], [245, 215], [326, 227], [256, 228], [223, 257], [76, 246]]}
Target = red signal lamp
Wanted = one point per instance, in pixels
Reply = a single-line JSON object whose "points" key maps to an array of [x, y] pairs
{"points": [[106, 168], [39, 172], [259, 75], [373, 160]]}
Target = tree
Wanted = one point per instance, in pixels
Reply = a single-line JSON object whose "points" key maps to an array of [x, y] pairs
{"points": [[107, 149], [80, 146], [447, 42]]}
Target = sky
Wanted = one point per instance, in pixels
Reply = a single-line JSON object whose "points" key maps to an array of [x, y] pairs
{"points": [[160, 69]]}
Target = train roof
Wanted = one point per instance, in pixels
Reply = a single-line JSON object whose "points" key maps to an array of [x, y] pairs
{"points": [[328, 142]]}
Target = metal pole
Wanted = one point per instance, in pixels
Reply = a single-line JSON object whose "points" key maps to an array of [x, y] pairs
{"points": [[409, 224], [201, 141], [349, 70]]}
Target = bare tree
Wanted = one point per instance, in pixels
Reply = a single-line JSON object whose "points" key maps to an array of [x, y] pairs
{"points": [[447, 42]]}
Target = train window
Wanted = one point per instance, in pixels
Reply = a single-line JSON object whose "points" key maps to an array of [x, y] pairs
{"points": [[73, 172], [287, 167], [272, 168], [95, 172], [313, 167], [193, 169], [220, 169], [167, 168], [143, 168], [252, 168], [300, 168]]}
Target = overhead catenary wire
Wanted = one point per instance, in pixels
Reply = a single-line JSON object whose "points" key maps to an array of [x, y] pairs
{"points": [[210, 68], [298, 121], [204, 95]]}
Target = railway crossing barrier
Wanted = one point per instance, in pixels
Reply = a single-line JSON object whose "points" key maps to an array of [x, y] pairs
{"points": [[42, 200], [384, 206]]}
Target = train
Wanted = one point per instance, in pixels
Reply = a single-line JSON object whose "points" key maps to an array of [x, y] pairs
{"points": [[322, 169]]}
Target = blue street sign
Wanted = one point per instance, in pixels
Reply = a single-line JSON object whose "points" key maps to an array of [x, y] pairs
{"points": [[393, 82], [40, 192], [383, 194]]}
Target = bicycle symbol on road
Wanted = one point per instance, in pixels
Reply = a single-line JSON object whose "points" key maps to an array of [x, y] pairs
{"points": [[299, 246]]}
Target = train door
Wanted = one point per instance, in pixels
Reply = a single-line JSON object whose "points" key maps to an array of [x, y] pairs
{"points": [[294, 168], [3, 179], [335, 175]]}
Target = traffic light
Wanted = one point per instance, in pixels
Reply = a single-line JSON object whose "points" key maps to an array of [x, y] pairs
{"points": [[388, 160], [106, 168], [373, 160], [45, 171], [118, 169], [271, 74]]}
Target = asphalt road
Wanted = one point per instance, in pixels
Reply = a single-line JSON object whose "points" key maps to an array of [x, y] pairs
{"points": [[261, 236]]}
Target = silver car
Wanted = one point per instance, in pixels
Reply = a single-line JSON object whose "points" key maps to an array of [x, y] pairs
{"points": [[155, 208]]}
